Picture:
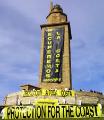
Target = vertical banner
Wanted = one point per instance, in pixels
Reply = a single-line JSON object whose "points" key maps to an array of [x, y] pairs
{"points": [[52, 56]]}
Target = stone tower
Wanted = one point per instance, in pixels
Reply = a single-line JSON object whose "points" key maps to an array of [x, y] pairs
{"points": [[55, 58]]}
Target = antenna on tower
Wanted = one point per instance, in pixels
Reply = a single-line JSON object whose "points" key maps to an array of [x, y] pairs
{"points": [[51, 5]]}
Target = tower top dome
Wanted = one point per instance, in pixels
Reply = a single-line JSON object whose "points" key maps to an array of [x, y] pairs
{"points": [[56, 8], [56, 14]]}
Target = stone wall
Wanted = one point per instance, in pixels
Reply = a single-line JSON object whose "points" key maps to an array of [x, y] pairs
{"points": [[16, 99], [89, 97], [84, 97]]}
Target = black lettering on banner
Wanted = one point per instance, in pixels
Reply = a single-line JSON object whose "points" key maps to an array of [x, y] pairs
{"points": [[87, 110], [57, 112], [29, 113], [12, 112], [96, 110], [35, 112], [64, 93], [17, 113], [63, 109], [70, 93], [24, 114], [71, 111], [8, 113], [91, 111], [49, 111], [83, 110], [43, 111], [78, 111], [38, 111], [52, 56], [68, 111], [53, 111]]}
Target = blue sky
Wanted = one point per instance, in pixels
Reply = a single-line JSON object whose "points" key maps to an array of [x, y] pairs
{"points": [[20, 37]]}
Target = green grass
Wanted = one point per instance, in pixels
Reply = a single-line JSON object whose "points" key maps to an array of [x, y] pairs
{"points": [[70, 119]]}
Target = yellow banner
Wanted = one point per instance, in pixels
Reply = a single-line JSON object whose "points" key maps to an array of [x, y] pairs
{"points": [[51, 111], [45, 92]]}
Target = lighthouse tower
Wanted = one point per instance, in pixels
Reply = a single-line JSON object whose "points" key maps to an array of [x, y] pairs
{"points": [[55, 57]]}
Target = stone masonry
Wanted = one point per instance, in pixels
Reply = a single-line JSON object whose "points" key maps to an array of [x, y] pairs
{"points": [[57, 18]]}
